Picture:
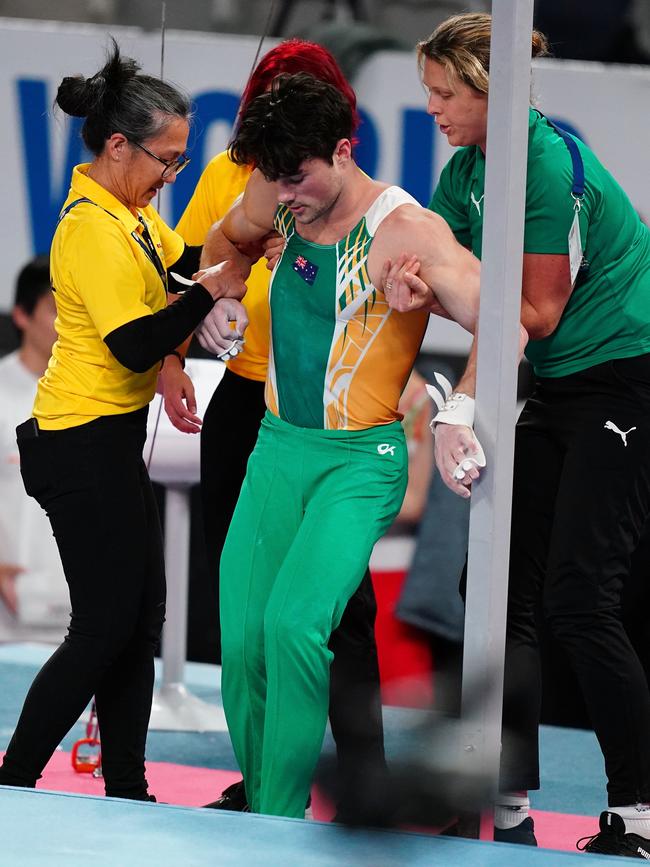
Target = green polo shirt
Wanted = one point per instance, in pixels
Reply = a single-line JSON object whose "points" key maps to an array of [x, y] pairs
{"points": [[608, 313]]}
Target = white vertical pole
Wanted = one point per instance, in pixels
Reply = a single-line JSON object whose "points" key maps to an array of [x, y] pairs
{"points": [[177, 567], [503, 229], [174, 708]]}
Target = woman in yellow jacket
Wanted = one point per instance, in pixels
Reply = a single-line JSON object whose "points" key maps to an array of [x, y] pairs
{"points": [[81, 451]]}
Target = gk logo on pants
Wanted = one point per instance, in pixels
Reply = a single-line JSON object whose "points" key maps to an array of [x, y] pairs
{"points": [[385, 449]]}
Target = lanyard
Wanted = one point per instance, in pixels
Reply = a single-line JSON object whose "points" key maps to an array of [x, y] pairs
{"points": [[578, 188], [78, 202], [577, 193], [145, 240]]}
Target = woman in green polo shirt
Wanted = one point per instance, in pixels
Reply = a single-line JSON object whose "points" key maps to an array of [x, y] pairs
{"points": [[582, 459], [81, 452]]}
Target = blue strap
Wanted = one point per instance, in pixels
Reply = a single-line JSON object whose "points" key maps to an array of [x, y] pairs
{"points": [[76, 202], [147, 246], [578, 188], [71, 206]]}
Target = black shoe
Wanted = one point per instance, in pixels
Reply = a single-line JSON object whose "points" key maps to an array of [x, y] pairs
{"points": [[523, 834], [141, 796], [233, 798], [612, 839]]}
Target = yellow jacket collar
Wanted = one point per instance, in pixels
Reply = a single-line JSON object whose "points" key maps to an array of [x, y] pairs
{"points": [[86, 187]]}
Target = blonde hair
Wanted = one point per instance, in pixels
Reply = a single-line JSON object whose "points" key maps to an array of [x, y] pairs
{"points": [[461, 44]]}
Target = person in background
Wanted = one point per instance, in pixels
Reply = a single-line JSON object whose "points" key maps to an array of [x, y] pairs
{"points": [[34, 599], [415, 407], [430, 599], [81, 448], [231, 425]]}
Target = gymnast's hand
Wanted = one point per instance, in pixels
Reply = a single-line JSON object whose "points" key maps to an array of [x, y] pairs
{"points": [[179, 398], [274, 245], [222, 330], [458, 456]]}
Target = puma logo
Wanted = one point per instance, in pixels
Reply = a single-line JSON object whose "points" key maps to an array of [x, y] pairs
{"points": [[609, 425], [476, 203]]}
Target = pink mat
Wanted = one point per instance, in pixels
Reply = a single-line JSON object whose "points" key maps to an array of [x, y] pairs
{"points": [[562, 830], [184, 785], [192, 787]]}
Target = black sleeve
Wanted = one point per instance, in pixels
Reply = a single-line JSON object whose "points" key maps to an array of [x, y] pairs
{"points": [[187, 265], [143, 342]]}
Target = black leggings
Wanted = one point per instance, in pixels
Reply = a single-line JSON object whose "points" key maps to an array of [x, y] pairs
{"points": [[93, 484], [581, 498], [230, 427]]}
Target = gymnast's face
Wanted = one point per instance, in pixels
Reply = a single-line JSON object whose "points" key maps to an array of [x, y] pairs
{"points": [[314, 189], [459, 110]]}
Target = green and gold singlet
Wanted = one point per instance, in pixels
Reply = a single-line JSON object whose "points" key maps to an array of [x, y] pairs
{"points": [[340, 357]]}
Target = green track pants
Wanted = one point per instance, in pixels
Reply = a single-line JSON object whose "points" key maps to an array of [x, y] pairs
{"points": [[311, 508]]}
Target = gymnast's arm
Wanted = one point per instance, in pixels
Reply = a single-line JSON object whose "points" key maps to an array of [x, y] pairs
{"points": [[238, 236], [424, 267]]}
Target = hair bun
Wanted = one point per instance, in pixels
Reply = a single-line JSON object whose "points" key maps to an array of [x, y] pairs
{"points": [[79, 96], [117, 70], [76, 96]]}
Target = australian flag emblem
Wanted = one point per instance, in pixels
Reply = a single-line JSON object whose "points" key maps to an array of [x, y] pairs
{"points": [[306, 269]]}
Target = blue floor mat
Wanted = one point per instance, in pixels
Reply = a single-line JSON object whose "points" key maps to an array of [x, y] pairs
{"points": [[41, 829], [573, 778]]}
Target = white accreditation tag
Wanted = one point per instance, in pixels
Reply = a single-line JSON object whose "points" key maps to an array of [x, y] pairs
{"points": [[575, 247]]}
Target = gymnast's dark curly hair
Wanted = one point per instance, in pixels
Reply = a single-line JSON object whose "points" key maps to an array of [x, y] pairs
{"points": [[120, 98], [300, 118]]}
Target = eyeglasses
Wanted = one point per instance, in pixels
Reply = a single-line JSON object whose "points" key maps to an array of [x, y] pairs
{"points": [[172, 167]]}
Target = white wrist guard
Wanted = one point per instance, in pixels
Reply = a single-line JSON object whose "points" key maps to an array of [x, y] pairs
{"points": [[440, 391], [453, 407], [457, 409]]}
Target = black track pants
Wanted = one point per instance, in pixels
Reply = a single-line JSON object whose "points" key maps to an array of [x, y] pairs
{"points": [[580, 501], [93, 484]]}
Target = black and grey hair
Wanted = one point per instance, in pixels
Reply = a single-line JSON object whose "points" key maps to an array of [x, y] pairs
{"points": [[119, 98]]}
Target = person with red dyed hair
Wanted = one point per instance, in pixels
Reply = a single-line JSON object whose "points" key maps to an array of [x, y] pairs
{"points": [[297, 55], [231, 424]]}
